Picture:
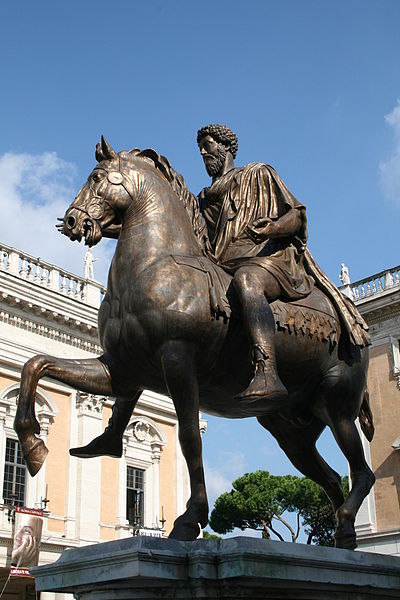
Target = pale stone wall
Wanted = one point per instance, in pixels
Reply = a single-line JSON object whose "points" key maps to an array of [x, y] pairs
{"points": [[168, 477], [57, 462], [378, 521]]}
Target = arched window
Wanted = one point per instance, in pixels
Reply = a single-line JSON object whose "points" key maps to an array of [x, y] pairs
{"points": [[14, 477]]}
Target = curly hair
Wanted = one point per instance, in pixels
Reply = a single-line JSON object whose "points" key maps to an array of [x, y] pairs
{"points": [[222, 134]]}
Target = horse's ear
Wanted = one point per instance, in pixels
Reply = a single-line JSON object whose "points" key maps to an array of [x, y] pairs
{"points": [[104, 151], [99, 155]]}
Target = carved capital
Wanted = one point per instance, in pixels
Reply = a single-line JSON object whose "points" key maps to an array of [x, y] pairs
{"points": [[90, 405]]}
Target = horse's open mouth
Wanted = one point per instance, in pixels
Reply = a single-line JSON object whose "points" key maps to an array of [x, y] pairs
{"points": [[91, 231]]}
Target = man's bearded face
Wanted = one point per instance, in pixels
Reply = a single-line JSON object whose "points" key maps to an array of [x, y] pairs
{"points": [[215, 163], [214, 155]]}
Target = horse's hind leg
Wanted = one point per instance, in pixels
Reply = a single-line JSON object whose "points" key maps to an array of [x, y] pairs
{"points": [[88, 375], [362, 480], [181, 380], [298, 443]]}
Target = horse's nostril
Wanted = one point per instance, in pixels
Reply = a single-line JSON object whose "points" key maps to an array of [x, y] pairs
{"points": [[71, 222]]}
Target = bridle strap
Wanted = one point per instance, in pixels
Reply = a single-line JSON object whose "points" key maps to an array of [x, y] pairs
{"points": [[103, 200]]}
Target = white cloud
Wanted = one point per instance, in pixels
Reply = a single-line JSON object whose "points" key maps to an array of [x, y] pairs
{"points": [[34, 191], [390, 170], [228, 467], [216, 483]]}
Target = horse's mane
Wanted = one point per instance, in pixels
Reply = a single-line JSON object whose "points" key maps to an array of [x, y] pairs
{"points": [[177, 182]]}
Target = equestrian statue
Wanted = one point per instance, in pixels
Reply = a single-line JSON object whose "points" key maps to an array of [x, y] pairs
{"points": [[216, 302]]}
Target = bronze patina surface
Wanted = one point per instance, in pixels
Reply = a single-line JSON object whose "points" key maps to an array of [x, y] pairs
{"points": [[217, 303]]}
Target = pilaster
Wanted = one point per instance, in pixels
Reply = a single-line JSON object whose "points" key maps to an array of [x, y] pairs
{"points": [[88, 482]]}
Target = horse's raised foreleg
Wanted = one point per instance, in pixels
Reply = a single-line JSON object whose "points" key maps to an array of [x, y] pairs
{"points": [[362, 480], [88, 375], [181, 381], [298, 443]]}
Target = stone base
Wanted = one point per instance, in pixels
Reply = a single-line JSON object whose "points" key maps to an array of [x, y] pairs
{"points": [[142, 568]]}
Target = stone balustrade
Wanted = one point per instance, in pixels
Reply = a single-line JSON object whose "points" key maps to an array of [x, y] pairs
{"points": [[375, 284], [39, 272]]}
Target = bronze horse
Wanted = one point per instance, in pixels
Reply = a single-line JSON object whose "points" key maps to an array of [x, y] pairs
{"points": [[158, 333]]}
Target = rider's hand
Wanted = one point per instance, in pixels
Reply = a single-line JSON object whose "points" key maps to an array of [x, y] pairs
{"points": [[261, 230]]}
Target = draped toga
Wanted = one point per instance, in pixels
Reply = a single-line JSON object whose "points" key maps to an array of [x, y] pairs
{"points": [[233, 203]]}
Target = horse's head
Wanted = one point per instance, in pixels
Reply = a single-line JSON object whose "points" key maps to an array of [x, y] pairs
{"points": [[101, 201]]}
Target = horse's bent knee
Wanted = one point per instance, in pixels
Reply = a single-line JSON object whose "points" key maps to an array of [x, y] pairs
{"points": [[36, 363]]}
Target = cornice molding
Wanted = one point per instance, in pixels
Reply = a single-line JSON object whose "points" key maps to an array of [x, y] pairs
{"points": [[51, 331], [382, 313], [47, 313]]}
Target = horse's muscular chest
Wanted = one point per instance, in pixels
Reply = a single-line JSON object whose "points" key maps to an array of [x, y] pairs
{"points": [[162, 301]]}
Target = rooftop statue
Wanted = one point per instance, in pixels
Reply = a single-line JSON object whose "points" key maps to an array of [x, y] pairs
{"points": [[216, 302], [88, 264]]}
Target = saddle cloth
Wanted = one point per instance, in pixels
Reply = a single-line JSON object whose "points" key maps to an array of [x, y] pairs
{"points": [[313, 315]]}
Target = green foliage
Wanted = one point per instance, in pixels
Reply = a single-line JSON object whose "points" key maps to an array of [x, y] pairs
{"points": [[258, 500], [210, 536]]}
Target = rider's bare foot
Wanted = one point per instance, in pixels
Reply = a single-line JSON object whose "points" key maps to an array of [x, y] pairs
{"points": [[105, 444]]}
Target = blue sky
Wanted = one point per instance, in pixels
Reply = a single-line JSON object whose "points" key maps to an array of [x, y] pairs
{"points": [[311, 87]]}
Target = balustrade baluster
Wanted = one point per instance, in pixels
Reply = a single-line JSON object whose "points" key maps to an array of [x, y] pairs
{"points": [[30, 273], [71, 288], [63, 288], [23, 268], [43, 281], [37, 273], [76, 295]]}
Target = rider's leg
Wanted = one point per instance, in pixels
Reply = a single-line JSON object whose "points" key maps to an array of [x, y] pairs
{"points": [[253, 286], [109, 443]]}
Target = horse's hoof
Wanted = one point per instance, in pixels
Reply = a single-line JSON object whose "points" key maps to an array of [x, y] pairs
{"points": [[185, 531], [35, 457], [346, 541]]}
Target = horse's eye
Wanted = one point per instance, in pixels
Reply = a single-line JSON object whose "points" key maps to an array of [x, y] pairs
{"points": [[96, 176]]}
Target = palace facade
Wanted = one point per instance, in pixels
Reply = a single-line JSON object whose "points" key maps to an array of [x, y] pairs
{"points": [[45, 309], [378, 299]]}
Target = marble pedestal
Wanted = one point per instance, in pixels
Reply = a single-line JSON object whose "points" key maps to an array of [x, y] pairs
{"points": [[147, 568]]}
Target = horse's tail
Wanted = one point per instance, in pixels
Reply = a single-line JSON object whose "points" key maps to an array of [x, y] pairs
{"points": [[366, 419]]}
